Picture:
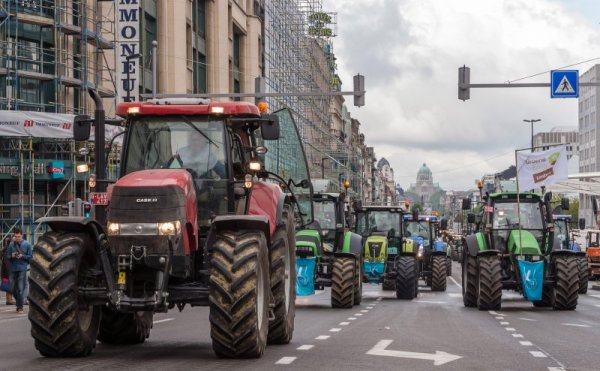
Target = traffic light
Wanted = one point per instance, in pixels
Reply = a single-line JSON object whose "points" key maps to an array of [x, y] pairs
{"points": [[359, 90], [464, 79], [87, 209]]}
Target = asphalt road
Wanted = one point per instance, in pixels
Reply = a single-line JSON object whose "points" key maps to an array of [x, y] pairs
{"points": [[433, 332]]}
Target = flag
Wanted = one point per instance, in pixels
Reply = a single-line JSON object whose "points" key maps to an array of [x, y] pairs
{"points": [[538, 169]]}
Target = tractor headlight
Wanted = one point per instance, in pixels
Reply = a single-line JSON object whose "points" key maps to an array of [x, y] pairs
{"points": [[420, 252], [114, 229], [169, 228]]}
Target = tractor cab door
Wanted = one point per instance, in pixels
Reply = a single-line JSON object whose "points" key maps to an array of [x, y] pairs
{"points": [[287, 159]]}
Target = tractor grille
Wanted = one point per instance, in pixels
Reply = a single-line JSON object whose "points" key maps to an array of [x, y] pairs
{"points": [[594, 259], [146, 204]]}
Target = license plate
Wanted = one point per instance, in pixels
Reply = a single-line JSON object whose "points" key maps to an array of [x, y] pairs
{"points": [[121, 279], [392, 250], [99, 198]]}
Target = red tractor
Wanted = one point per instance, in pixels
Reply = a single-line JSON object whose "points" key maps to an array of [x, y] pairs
{"points": [[192, 219]]}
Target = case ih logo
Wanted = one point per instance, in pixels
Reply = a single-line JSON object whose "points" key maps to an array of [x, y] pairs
{"points": [[153, 199], [67, 126], [28, 123]]}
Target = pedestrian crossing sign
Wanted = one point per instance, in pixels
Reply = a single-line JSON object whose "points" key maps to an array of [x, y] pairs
{"points": [[564, 84]]}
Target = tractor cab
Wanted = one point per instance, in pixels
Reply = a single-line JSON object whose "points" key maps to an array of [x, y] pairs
{"points": [[593, 253], [562, 232], [421, 229]]}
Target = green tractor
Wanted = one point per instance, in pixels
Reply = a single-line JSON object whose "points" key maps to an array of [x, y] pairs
{"points": [[515, 249], [328, 255], [381, 229]]}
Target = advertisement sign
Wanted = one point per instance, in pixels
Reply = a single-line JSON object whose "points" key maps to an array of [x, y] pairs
{"points": [[39, 170], [538, 169], [128, 27], [56, 169], [36, 124]]}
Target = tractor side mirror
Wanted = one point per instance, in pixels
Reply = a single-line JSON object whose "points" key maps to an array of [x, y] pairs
{"points": [[466, 204], [470, 218], [82, 125], [547, 197], [564, 203], [305, 183], [269, 127], [582, 223]]}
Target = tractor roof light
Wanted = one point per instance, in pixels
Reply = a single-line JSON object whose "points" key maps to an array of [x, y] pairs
{"points": [[263, 107], [254, 166], [217, 109], [133, 110]]}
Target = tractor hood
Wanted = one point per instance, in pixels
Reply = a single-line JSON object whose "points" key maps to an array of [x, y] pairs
{"points": [[523, 241], [158, 178]]}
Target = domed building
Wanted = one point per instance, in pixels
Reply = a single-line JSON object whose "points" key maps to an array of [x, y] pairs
{"points": [[425, 192]]}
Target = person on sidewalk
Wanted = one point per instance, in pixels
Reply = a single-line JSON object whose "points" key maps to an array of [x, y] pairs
{"points": [[5, 269], [19, 252]]}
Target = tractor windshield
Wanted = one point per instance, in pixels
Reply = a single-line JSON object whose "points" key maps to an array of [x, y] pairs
{"points": [[505, 216], [561, 231], [194, 143], [417, 230], [378, 221], [325, 214]]}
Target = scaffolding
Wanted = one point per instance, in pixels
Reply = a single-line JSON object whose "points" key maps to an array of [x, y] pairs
{"points": [[299, 57], [51, 52]]}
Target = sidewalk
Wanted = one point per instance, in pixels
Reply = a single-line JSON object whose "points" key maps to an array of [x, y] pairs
{"points": [[10, 311]]}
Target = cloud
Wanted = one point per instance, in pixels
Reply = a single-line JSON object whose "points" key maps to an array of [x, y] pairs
{"points": [[410, 51]]}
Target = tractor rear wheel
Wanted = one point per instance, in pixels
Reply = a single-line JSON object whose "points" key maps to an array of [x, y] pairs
{"points": [[358, 281], [283, 279], [547, 298], [469, 281], [448, 266], [584, 274], [406, 277], [490, 283], [439, 270], [61, 324], [566, 290], [239, 294], [342, 282], [124, 328]]}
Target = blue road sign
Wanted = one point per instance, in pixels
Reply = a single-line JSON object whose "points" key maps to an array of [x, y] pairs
{"points": [[564, 84]]}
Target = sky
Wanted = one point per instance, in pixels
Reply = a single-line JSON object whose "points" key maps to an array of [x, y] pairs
{"points": [[409, 52]]}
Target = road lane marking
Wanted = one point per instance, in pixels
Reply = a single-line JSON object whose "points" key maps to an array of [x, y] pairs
{"points": [[335, 329], [537, 354], [528, 319], [596, 296], [344, 323], [456, 283], [505, 323], [597, 305], [322, 337], [493, 313], [163, 320], [364, 311], [285, 361], [438, 358], [358, 314], [305, 347], [12, 319], [556, 369], [510, 329], [369, 307], [517, 335], [454, 295], [526, 343], [499, 317], [574, 325], [351, 318]]}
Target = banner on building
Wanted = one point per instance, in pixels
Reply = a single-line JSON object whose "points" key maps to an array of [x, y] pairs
{"points": [[538, 169], [128, 27], [36, 124]]}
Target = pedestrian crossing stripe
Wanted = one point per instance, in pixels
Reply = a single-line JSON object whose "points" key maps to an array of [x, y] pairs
{"points": [[564, 86]]}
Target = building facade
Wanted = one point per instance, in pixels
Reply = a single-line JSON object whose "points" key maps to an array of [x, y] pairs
{"points": [[568, 135]]}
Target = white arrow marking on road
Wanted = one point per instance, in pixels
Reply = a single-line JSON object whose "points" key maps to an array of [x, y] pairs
{"points": [[438, 358]]}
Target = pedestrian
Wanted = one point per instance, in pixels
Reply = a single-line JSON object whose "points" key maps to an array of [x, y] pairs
{"points": [[4, 272], [19, 252]]}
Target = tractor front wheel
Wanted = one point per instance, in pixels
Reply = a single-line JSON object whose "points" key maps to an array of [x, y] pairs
{"points": [[439, 270], [61, 324], [283, 279], [490, 283], [584, 274], [342, 282], [239, 294], [406, 277], [469, 281], [358, 281], [124, 328], [448, 266], [566, 291]]}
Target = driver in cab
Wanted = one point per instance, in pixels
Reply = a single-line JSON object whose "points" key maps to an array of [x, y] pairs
{"points": [[203, 157]]}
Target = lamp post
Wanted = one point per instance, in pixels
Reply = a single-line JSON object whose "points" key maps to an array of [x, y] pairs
{"points": [[531, 122]]}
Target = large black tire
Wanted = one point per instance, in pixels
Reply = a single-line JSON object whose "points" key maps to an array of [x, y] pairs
{"points": [[566, 291], [490, 283], [283, 278], [358, 281], [61, 325], [439, 270], [388, 285], [584, 274], [239, 294], [547, 297], [406, 277], [469, 281], [448, 266], [342, 282], [124, 328]]}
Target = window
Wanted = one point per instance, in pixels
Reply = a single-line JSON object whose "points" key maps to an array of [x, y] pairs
{"points": [[199, 17], [149, 36], [199, 72]]}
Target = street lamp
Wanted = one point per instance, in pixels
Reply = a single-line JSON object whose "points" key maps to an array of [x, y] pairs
{"points": [[532, 121]]}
